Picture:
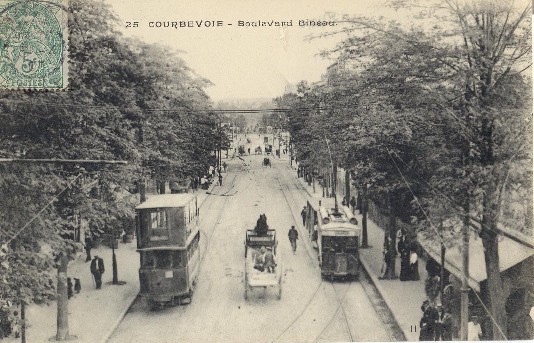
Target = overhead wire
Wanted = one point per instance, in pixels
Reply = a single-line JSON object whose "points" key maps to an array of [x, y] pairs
{"points": [[54, 199]]}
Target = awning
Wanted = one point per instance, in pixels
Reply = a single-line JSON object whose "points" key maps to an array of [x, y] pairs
{"points": [[510, 254]]}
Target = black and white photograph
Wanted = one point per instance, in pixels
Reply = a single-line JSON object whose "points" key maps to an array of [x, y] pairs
{"points": [[256, 171]]}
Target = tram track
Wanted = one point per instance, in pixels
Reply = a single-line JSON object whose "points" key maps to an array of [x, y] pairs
{"points": [[339, 300], [390, 325], [207, 201], [335, 322]]}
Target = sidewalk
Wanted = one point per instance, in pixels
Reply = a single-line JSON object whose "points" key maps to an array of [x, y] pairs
{"points": [[404, 298], [93, 314]]}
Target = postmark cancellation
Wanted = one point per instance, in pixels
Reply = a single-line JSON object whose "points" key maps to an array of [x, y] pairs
{"points": [[33, 44]]}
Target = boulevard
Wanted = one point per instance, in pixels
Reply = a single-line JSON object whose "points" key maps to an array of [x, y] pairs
{"points": [[310, 309]]}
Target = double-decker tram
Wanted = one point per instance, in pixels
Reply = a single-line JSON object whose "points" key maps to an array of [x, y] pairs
{"points": [[168, 244], [338, 236]]}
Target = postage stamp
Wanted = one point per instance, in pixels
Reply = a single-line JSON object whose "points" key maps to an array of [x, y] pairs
{"points": [[33, 44]]}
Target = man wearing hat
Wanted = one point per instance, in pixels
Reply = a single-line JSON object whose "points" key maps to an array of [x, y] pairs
{"points": [[303, 214], [427, 323], [97, 269]]}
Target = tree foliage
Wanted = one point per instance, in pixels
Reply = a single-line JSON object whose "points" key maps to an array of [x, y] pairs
{"points": [[438, 114], [127, 100]]}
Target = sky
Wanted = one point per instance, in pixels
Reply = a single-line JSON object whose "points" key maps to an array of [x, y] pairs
{"points": [[244, 62]]}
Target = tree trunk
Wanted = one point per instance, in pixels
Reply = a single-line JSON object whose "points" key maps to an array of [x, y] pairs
{"points": [[490, 241], [365, 242], [114, 266], [22, 321], [62, 299], [334, 184], [347, 186], [392, 239], [142, 190]]}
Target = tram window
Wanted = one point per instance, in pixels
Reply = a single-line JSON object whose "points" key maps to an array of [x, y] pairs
{"points": [[186, 214], [148, 260], [193, 246], [332, 243], [352, 244], [178, 258], [163, 259], [158, 219]]}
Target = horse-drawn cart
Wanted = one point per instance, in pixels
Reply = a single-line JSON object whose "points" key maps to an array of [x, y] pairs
{"points": [[254, 240], [262, 264], [260, 275]]}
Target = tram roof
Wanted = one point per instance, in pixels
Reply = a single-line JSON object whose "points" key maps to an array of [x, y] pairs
{"points": [[333, 226], [167, 200]]}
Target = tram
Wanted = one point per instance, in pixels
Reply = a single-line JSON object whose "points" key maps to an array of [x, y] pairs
{"points": [[168, 243], [338, 236]]}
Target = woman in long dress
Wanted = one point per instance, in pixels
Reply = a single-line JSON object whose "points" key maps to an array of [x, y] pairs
{"points": [[404, 252], [414, 266]]}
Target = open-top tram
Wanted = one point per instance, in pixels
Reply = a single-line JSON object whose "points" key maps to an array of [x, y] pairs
{"points": [[338, 236], [168, 243]]}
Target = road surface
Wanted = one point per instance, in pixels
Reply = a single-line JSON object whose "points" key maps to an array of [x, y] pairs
{"points": [[310, 310]]}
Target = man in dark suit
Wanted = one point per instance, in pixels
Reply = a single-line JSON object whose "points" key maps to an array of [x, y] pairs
{"points": [[97, 269]]}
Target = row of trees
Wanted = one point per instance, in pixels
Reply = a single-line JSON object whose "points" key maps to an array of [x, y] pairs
{"points": [[436, 119], [127, 101]]}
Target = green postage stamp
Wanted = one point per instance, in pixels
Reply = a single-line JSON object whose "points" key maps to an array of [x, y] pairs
{"points": [[33, 44]]}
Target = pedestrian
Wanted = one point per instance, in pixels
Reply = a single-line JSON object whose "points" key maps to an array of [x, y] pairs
{"points": [[248, 151], [315, 236], [303, 214], [70, 292], [443, 330], [293, 235], [204, 182], [385, 266], [220, 179], [433, 268], [353, 204], [404, 251], [224, 163], [474, 331], [344, 202], [414, 265], [77, 285], [88, 246], [427, 324], [97, 269]]}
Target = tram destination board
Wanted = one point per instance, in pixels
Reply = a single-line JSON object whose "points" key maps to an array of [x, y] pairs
{"points": [[260, 238]]}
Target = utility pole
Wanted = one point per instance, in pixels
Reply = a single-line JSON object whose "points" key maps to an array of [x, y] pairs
{"points": [[464, 299], [442, 274], [62, 333]]}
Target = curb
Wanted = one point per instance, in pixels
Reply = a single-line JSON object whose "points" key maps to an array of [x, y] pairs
{"points": [[119, 319], [372, 277], [378, 286], [134, 298]]}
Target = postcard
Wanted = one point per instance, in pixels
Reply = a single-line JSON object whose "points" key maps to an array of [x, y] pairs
{"points": [[265, 171]]}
